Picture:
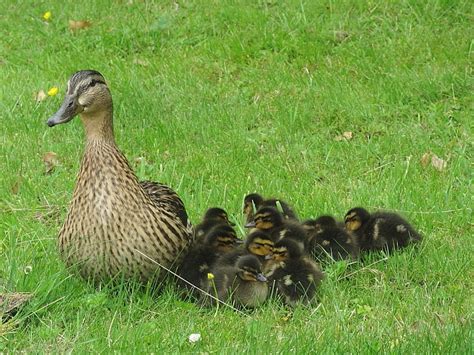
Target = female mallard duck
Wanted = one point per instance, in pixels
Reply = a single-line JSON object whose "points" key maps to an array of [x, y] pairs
{"points": [[292, 273], [115, 224], [380, 230], [254, 201], [326, 238], [213, 216], [243, 283]]}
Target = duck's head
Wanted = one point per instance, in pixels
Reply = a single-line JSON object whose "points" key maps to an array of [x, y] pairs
{"points": [[218, 214], [286, 249], [250, 269], [87, 94], [251, 204], [222, 239], [259, 243], [266, 218], [355, 218]]}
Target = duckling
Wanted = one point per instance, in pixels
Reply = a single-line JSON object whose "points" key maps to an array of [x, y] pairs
{"points": [[326, 238], [269, 220], [380, 230], [115, 224], [212, 217], [257, 243], [251, 203], [256, 201], [292, 273], [243, 283], [199, 260]]}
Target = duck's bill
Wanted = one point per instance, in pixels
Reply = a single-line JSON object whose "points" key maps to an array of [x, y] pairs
{"points": [[261, 278], [66, 112], [250, 225]]}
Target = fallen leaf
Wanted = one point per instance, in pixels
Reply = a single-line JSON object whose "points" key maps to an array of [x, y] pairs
{"points": [[438, 163], [142, 62], [40, 96], [16, 185], [50, 160], [47, 16], [425, 159], [53, 91], [435, 161], [79, 25], [345, 136]]}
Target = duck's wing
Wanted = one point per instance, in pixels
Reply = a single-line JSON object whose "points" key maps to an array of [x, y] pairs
{"points": [[167, 199]]}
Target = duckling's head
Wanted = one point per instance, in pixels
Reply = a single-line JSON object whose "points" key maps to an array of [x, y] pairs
{"points": [[87, 94], [266, 218], [251, 201], [355, 218], [218, 214], [286, 249], [222, 239], [259, 243], [250, 269]]}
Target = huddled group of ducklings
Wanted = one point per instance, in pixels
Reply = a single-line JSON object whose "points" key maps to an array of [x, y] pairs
{"points": [[280, 254]]}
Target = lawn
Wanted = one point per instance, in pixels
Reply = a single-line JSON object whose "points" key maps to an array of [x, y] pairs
{"points": [[326, 104]]}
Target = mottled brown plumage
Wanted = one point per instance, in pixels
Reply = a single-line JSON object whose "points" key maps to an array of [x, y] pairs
{"points": [[113, 218]]}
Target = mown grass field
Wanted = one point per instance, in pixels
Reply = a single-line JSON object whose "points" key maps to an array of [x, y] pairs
{"points": [[222, 98]]}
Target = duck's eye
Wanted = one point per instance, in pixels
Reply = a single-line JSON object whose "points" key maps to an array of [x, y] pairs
{"points": [[92, 83]]}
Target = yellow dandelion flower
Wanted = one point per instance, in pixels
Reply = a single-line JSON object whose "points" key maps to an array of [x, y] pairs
{"points": [[47, 16], [210, 276], [53, 91]]}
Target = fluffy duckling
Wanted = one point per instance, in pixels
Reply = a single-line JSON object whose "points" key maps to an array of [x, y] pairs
{"points": [[326, 238], [243, 283], [380, 230], [294, 275], [257, 243], [254, 201], [212, 217], [116, 225], [269, 220], [201, 257]]}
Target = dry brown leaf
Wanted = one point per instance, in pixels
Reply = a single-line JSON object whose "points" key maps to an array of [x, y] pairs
{"points": [[16, 185], [142, 62], [425, 159], [40, 96], [50, 160], [344, 136], [438, 163], [79, 25]]}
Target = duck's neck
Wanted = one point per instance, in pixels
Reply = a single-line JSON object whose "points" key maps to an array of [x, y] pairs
{"points": [[99, 127]]}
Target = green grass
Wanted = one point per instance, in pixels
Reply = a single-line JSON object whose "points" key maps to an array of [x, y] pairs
{"points": [[237, 97]]}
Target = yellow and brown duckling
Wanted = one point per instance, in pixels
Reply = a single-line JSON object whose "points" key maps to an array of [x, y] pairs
{"points": [[253, 201], [243, 284], [271, 221], [327, 239], [380, 230], [294, 275], [115, 224], [212, 217], [202, 256], [257, 243]]}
